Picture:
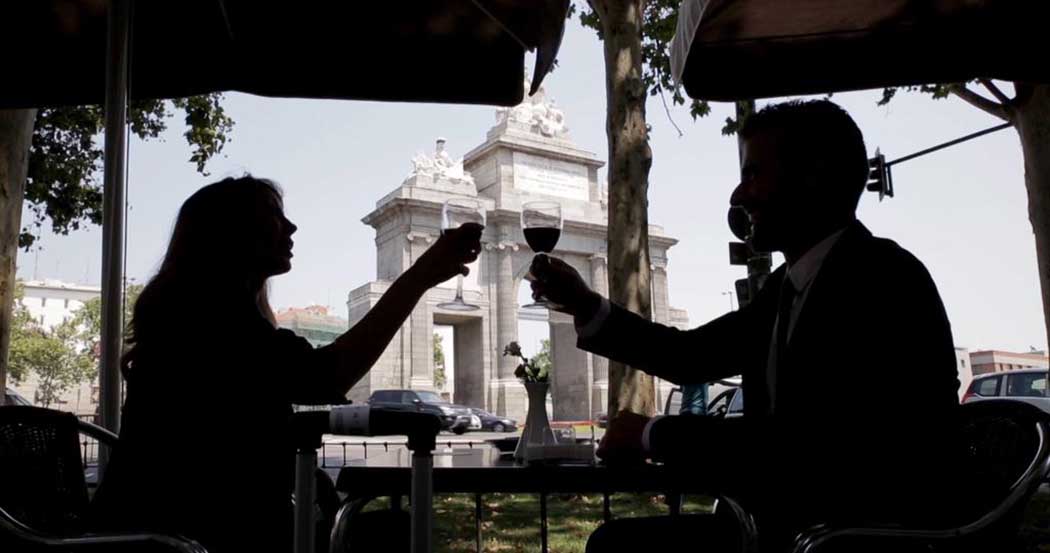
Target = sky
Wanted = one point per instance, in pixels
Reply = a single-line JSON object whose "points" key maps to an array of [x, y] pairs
{"points": [[962, 211]]}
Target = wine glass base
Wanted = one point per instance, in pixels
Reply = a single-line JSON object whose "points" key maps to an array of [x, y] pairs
{"points": [[537, 305], [458, 305]]}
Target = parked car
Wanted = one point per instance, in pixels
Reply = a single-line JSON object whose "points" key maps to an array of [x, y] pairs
{"points": [[602, 419], [12, 397], [729, 404], [1027, 385], [495, 423], [454, 418], [715, 390]]}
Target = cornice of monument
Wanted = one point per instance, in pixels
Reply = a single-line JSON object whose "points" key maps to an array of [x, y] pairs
{"points": [[562, 150]]}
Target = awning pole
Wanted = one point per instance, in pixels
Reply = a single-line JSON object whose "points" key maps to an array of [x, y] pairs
{"points": [[113, 212]]}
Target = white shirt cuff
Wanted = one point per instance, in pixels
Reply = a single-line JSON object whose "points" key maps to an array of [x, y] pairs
{"points": [[645, 433], [593, 326]]}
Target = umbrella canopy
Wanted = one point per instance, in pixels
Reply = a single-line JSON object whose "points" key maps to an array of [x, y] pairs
{"points": [[463, 51], [68, 52], [727, 50]]}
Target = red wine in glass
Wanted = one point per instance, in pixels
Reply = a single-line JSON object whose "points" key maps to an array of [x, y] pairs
{"points": [[541, 222], [542, 239]]}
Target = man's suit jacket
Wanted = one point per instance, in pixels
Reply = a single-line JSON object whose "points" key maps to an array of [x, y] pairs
{"points": [[866, 389]]}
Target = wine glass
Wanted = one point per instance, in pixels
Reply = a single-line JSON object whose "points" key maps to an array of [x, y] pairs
{"points": [[541, 222], [454, 213]]}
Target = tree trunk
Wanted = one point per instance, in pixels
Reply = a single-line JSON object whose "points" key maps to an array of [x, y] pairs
{"points": [[629, 160], [16, 132], [1032, 121]]}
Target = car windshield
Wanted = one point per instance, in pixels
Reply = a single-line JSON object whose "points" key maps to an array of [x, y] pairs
{"points": [[430, 397]]}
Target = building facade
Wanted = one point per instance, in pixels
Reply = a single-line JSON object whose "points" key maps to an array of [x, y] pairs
{"points": [[995, 361], [314, 323], [527, 155]]}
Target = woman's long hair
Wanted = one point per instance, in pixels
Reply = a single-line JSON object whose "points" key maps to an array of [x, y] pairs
{"points": [[207, 261]]}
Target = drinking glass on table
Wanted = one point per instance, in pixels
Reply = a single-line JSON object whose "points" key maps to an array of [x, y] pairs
{"points": [[454, 213], [541, 222]]}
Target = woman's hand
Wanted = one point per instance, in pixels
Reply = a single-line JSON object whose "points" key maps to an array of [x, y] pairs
{"points": [[450, 255]]}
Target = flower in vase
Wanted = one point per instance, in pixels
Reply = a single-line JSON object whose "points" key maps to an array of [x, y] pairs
{"points": [[528, 370]]}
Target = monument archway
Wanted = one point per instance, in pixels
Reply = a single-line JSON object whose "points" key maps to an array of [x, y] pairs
{"points": [[527, 155]]}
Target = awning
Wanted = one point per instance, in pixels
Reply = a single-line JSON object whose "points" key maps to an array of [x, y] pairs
{"points": [[463, 51], [69, 52], [727, 50]]}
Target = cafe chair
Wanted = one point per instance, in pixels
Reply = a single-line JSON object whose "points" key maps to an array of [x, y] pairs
{"points": [[44, 502], [1006, 456]]}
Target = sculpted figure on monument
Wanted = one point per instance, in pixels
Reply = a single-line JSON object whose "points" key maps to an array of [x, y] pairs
{"points": [[538, 112], [440, 165]]}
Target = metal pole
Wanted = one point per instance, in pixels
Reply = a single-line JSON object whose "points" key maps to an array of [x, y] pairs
{"points": [[422, 500], [119, 22], [950, 143], [305, 497]]}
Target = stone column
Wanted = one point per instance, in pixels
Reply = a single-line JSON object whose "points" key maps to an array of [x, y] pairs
{"points": [[570, 385], [508, 394], [599, 364], [421, 329], [662, 315], [506, 308], [661, 297], [470, 362]]}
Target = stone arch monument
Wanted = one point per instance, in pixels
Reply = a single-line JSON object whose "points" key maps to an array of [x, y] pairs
{"points": [[527, 155]]}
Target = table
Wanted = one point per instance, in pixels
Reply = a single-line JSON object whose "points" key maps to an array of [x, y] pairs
{"points": [[484, 470]]}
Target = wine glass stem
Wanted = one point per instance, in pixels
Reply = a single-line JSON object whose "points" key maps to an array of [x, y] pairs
{"points": [[459, 289]]}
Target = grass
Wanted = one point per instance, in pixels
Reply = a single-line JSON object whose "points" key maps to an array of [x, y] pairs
{"points": [[511, 522]]}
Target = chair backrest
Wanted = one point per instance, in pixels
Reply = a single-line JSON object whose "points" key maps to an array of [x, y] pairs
{"points": [[1006, 457], [41, 470]]}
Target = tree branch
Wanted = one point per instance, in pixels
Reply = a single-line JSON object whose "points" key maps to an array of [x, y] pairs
{"points": [[999, 95], [980, 102]]}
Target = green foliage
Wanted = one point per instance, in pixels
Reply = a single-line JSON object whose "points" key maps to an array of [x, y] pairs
{"points": [[23, 332], [938, 91], [542, 360], [57, 357], [535, 370], [65, 157], [659, 22], [63, 356], [88, 319], [440, 377]]}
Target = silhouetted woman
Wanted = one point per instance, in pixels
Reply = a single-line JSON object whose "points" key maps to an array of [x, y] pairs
{"points": [[211, 380]]}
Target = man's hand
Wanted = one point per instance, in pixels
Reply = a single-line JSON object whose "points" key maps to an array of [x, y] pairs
{"points": [[450, 255], [557, 281], [622, 442]]}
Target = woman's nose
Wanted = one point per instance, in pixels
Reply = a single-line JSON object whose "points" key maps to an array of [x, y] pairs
{"points": [[292, 227]]}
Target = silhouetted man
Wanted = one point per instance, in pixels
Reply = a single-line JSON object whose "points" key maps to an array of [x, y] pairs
{"points": [[846, 355]]}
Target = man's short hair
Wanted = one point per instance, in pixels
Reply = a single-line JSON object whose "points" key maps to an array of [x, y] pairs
{"points": [[821, 131]]}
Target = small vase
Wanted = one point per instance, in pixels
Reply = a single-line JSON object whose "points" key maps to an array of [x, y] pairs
{"points": [[537, 426]]}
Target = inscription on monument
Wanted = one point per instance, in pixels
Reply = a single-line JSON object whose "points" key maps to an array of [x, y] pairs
{"points": [[550, 177]]}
